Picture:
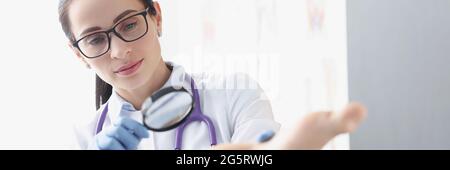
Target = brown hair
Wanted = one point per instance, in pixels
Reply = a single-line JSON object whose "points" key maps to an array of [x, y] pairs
{"points": [[103, 90]]}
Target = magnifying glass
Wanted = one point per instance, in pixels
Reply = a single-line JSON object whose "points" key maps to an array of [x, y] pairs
{"points": [[167, 108]]}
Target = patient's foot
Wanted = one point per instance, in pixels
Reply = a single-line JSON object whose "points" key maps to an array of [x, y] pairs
{"points": [[313, 131]]}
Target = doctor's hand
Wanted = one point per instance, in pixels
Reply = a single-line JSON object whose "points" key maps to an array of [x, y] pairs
{"points": [[125, 134]]}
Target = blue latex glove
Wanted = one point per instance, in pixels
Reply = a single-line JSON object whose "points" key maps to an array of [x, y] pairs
{"points": [[266, 136], [125, 134]]}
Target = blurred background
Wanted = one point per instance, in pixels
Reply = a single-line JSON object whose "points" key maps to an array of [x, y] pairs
{"points": [[398, 56], [295, 49]]}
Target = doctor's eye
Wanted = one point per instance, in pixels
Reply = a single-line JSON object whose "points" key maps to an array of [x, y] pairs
{"points": [[96, 39], [128, 25]]}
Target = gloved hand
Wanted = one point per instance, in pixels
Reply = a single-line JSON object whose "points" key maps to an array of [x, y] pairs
{"points": [[125, 134]]}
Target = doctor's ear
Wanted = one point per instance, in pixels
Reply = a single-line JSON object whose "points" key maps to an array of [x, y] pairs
{"points": [[157, 18], [80, 57]]}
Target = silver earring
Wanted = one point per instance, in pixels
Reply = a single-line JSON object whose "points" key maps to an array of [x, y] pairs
{"points": [[159, 33]]}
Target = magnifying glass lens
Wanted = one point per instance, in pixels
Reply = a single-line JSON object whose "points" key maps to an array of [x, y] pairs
{"points": [[168, 110]]}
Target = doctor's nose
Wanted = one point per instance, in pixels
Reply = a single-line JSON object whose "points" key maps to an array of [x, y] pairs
{"points": [[119, 49]]}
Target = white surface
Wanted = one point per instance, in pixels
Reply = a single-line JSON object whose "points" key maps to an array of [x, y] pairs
{"points": [[44, 88]]}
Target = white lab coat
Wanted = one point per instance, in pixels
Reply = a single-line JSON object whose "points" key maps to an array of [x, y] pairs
{"points": [[236, 105]]}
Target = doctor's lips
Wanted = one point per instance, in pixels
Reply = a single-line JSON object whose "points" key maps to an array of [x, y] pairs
{"points": [[129, 68]]}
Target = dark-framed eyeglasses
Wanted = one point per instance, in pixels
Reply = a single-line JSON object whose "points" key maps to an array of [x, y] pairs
{"points": [[129, 29]]}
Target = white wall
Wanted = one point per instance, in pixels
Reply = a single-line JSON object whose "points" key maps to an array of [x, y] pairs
{"points": [[43, 89], [296, 49]]}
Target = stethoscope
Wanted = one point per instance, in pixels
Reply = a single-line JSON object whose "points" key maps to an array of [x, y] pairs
{"points": [[193, 114]]}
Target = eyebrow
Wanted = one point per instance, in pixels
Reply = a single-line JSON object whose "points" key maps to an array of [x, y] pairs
{"points": [[117, 19]]}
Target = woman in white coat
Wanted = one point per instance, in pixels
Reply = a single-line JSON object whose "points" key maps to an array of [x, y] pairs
{"points": [[119, 40]]}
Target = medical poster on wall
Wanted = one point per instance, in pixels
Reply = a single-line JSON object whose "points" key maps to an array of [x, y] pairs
{"points": [[295, 49]]}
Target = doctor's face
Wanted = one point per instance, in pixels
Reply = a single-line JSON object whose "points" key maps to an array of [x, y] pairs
{"points": [[126, 57]]}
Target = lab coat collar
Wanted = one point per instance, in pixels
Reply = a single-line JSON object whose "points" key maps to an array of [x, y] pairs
{"points": [[119, 107]]}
